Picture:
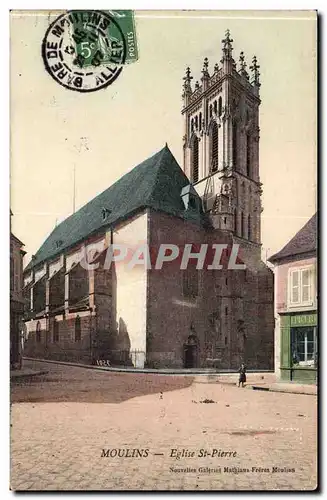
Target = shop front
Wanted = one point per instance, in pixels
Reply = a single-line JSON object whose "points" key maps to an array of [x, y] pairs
{"points": [[299, 347]]}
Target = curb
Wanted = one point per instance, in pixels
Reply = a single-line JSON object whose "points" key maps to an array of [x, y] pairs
{"points": [[163, 371], [118, 370], [280, 389]]}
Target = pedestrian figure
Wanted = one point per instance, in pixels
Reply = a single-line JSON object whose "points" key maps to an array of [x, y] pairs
{"points": [[242, 378]]}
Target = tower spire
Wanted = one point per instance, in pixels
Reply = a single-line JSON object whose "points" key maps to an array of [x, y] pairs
{"points": [[187, 89], [243, 65], [255, 72], [205, 73], [227, 47]]}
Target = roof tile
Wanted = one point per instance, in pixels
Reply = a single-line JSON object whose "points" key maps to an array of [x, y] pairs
{"points": [[304, 241]]}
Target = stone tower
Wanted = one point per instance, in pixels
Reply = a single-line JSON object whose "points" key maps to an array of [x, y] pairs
{"points": [[221, 143]]}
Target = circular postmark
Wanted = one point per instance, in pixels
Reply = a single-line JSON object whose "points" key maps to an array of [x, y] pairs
{"points": [[84, 50]]}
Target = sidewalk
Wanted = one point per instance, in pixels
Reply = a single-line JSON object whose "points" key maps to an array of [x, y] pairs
{"points": [[260, 382]]}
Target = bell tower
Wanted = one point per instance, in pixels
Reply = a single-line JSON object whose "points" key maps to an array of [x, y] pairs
{"points": [[221, 142]]}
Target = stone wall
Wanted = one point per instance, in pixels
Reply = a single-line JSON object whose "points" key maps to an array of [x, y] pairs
{"points": [[232, 317], [67, 348], [172, 317]]}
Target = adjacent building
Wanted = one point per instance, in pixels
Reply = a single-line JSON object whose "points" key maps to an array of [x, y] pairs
{"points": [[169, 317], [296, 340], [16, 301]]}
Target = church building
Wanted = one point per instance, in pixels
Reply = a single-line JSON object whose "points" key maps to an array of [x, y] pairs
{"points": [[168, 317]]}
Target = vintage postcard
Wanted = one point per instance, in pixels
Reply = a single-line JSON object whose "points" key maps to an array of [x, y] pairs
{"points": [[163, 250]]}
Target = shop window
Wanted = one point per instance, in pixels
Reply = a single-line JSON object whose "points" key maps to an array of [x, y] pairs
{"points": [[300, 287], [304, 346]]}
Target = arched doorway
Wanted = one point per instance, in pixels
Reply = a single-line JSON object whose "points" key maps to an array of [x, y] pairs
{"points": [[191, 352]]}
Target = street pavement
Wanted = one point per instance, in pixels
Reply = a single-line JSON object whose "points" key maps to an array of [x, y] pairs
{"points": [[80, 429]]}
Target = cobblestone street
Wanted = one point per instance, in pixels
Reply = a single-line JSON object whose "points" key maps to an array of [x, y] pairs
{"points": [[62, 421]]}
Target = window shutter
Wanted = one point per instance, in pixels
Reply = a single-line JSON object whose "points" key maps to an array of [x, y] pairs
{"points": [[295, 282], [306, 285]]}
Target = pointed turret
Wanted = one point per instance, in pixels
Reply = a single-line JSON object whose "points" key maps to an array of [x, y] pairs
{"points": [[187, 89], [243, 65], [227, 47], [205, 73], [227, 58], [255, 79]]}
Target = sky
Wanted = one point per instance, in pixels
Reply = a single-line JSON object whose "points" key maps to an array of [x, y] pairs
{"points": [[104, 134]]}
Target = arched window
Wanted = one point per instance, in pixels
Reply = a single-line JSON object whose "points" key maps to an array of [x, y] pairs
{"points": [[200, 121], [196, 122], [55, 331], [220, 106], [249, 227], [242, 225], [242, 193], [214, 147], [215, 107], [192, 125], [195, 159], [38, 332], [78, 329], [248, 155], [235, 221], [210, 110], [235, 146]]}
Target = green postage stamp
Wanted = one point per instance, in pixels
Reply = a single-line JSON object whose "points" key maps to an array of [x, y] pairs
{"points": [[86, 50]]}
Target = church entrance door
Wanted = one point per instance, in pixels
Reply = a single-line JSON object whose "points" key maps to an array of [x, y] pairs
{"points": [[191, 352]]}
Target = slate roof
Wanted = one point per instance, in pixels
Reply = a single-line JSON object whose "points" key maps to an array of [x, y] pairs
{"points": [[155, 183], [304, 241]]}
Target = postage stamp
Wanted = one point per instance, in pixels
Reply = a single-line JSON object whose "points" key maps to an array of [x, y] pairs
{"points": [[85, 50]]}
